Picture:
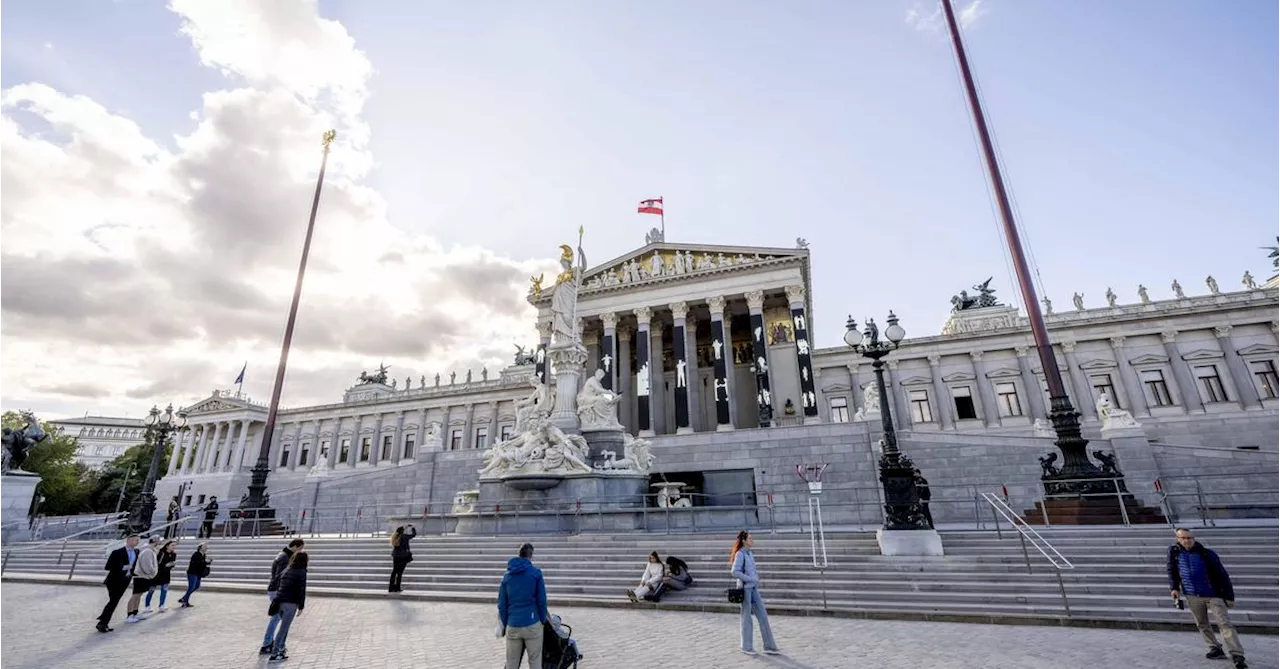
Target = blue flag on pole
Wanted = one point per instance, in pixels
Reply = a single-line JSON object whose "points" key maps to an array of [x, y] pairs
{"points": [[240, 379]]}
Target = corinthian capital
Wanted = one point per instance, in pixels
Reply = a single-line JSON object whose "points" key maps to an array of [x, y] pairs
{"points": [[644, 315], [609, 319], [716, 303], [755, 299], [795, 294], [679, 310]]}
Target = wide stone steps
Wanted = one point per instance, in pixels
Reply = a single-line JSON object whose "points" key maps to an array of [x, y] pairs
{"points": [[1118, 574]]}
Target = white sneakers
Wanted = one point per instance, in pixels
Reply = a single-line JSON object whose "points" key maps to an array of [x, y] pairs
{"points": [[161, 609], [132, 619]]}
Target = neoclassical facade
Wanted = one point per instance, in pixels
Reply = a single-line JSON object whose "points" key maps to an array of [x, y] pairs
{"points": [[101, 439], [703, 338]]}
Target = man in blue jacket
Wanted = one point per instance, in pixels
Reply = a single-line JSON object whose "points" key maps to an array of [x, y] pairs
{"points": [[1197, 573], [522, 609]]}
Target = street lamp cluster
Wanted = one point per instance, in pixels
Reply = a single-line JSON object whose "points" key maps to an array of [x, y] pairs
{"points": [[902, 509], [159, 428]]}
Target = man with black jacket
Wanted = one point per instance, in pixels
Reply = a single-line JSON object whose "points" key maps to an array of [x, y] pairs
{"points": [[210, 515], [119, 572], [278, 566], [1197, 573]]}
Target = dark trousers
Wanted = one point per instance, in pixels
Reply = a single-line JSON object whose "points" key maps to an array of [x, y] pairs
{"points": [[115, 590], [924, 507], [397, 573], [206, 529]]}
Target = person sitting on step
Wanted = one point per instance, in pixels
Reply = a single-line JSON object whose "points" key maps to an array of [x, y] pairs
{"points": [[650, 581]]}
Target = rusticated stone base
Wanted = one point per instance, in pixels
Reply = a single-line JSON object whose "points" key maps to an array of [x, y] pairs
{"points": [[1092, 511]]}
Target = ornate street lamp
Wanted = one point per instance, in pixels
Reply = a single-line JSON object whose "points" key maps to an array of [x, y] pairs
{"points": [[159, 427], [902, 510]]}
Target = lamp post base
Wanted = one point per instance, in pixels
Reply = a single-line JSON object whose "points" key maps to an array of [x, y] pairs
{"points": [[140, 514], [256, 503]]}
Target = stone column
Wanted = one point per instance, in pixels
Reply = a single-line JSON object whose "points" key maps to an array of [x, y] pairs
{"points": [[335, 443], [468, 429], [1238, 372], [1035, 396], [679, 343], [628, 409], [225, 455], [196, 458], [446, 432], [494, 433], [893, 386], [1130, 384], [237, 457], [177, 452], [375, 451], [567, 360], [760, 354], [1084, 401], [644, 372], [722, 363], [397, 442], [855, 390], [211, 456], [296, 453], [256, 446], [693, 374], [800, 321], [990, 412], [540, 355], [609, 348], [353, 455], [944, 407], [658, 381], [1182, 376]]}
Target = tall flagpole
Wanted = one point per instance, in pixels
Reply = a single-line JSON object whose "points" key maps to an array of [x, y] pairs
{"points": [[662, 217], [257, 498], [1065, 419]]}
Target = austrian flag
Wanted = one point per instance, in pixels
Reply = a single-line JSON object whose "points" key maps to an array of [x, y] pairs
{"points": [[650, 207]]}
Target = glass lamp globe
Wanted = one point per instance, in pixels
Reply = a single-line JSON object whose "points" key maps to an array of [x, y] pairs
{"points": [[181, 420], [152, 417], [852, 337], [894, 332]]}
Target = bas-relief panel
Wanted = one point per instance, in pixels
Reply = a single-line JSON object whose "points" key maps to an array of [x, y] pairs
{"points": [[777, 324], [661, 263]]}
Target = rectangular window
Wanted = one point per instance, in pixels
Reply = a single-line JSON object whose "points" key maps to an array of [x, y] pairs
{"points": [[482, 437], [455, 440], [345, 452], [366, 446], [284, 456], [839, 410], [920, 412], [506, 432], [1007, 400], [303, 455], [1265, 373], [386, 447], [408, 446], [187, 501], [324, 450], [1156, 388], [963, 397], [1211, 389], [201, 500], [1102, 384]]}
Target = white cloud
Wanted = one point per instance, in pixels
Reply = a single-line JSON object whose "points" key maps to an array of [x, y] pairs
{"points": [[933, 21], [133, 273]]}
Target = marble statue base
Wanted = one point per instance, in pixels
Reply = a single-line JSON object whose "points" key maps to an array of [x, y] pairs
{"points": [[17, 489], [909, 542], [552, 509], [1109, 432], [601, 441], [567, 363]]}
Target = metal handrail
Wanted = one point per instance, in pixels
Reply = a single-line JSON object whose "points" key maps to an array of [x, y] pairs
{"points": [[1027, 533]]}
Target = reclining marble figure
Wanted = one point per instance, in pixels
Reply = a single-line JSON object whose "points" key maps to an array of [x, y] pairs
{"points": [[597, 405]]}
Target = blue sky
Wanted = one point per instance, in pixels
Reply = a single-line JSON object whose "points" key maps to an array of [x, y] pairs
{"points": [[1139, 138]]}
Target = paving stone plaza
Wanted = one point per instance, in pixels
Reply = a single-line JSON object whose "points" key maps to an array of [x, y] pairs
{"points": [[222, 631]]}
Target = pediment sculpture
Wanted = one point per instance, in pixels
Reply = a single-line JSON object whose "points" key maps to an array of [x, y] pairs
{"points": [[379, 376], [986, 297], [671, 262]]}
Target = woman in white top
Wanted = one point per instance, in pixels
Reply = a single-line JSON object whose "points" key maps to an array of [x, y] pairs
{"points": [[650, 581]]}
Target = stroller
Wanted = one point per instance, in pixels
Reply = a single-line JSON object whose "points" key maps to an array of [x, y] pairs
{"points": [[559, 650]]}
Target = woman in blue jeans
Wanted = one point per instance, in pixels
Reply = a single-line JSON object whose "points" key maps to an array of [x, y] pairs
{"points": [[744, 569], [289, 601], [197, 569]]}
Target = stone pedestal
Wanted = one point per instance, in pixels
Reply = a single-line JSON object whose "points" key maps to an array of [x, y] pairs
{"points": [[1103, 510], [567, 362], [601, 441], [909, 542], [17, 489]]}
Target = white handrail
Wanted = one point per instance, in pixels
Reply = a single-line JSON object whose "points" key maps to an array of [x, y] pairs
{"points": [[1058, 560]]}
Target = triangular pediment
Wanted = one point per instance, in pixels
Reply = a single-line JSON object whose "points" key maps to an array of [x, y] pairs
{"points": [[836, 388], [1098, 364], [1258, 349], [679, 261], [916, 381], [958, 376], [1003, 373], [219, 402], [1149, 359], [1202, 354]]}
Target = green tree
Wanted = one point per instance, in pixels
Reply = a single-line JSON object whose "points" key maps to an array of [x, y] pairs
{"points": [[114, 474], [64, 483]]}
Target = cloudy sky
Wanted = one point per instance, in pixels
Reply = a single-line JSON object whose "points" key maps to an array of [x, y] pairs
{"points": [[158, 160]]}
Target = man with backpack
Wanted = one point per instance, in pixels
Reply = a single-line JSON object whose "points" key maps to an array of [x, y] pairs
{"points": [[278, 566], [1197, 573]]}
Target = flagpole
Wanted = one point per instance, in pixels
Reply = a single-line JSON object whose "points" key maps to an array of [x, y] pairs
{"points": [[1065, 419], [257, 498], [662, 218]]}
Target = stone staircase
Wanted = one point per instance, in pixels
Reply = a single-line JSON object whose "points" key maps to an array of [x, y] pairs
{"points": [[1118, 579]]}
